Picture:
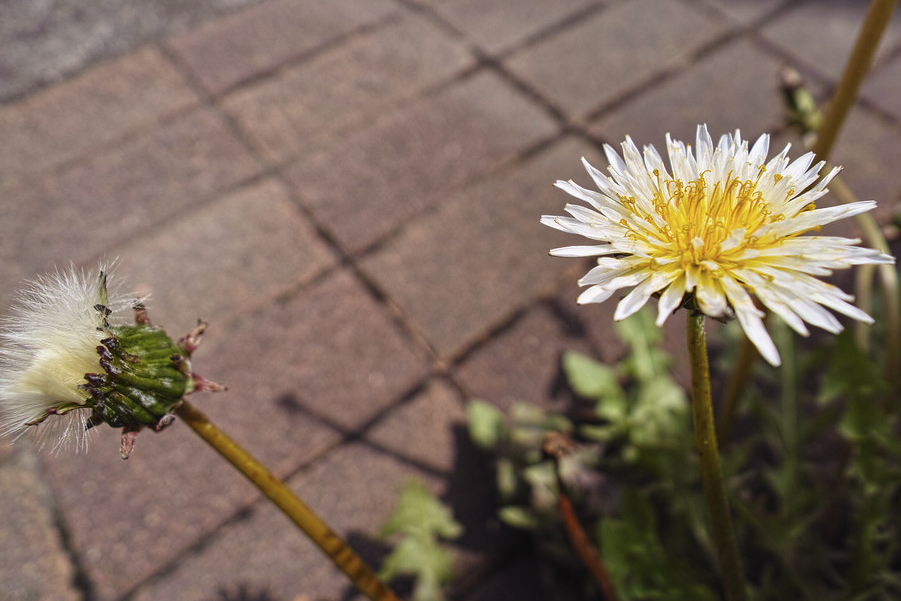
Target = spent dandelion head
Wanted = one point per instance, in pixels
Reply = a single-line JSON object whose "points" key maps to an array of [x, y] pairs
{"points": [[69, 361], [723, 224]]}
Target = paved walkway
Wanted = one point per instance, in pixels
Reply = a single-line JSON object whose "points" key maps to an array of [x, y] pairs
{"points": [[349, 192]]}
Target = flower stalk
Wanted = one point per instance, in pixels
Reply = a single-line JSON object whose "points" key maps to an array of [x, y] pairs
{"points": [[708, 454], [296, 510]]}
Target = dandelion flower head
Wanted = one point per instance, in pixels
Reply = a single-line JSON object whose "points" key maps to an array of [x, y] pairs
{"points": [[723, 224], [48, 343]]}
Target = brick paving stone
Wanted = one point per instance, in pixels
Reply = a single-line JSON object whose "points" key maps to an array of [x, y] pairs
{"points": [[497, 27], [353, 489], [99, 106], [746, 12], [821, 34], [224, 258], [368, 183], [522, 363], [331, 352], [44, 41], [617, 49], [130, 518], [867, 149], [883, 88], [84, 211], [422, 430], [33, 563], [330, 94], [466, 267], [227, 51], [751, 102]]}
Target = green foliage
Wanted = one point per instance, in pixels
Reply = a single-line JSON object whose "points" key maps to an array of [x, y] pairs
{"points": [[814, 473], [418, 521]]}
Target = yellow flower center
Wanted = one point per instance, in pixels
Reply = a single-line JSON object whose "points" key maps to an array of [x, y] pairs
{"points": [[707, 227]]}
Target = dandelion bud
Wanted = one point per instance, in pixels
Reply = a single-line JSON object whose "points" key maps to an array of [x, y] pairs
{"points": [[67, 363]]}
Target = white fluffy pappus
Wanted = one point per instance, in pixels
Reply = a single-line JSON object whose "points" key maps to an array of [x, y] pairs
{"points": [[48, 342]]}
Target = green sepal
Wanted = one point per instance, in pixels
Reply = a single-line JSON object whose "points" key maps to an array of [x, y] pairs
{"points": [[146, 375]]}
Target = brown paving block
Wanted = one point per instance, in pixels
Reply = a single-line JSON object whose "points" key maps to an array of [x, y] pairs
{"points": [[45, 41], [101, 105], [306, 104], [227, 51], [331, 351], [821, 34], [86, 210], [225, 258], [868, 149], [370, 182], [130, 518], [611, 52], [465, 268], [883, 88], [353, 489], [422, 430], [33, 563], [522, 363], [701, 94], [746, 12], [499, 26]]}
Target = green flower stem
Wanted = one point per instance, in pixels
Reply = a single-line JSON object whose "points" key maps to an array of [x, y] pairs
{"points": [[711, 473], [871, 31], [324, 537]]}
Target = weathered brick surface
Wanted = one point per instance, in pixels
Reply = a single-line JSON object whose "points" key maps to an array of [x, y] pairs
{"points": [[750, 103], [821, 34], [33, 562], [370, 182], [484, 248], [353, 489], [103, 104], [258, 39], [251, 245], [305, 105], [82, 212], [43, 42], [496, 27], [598, 59]]}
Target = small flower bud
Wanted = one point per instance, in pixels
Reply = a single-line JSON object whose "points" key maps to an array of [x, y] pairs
{"points": [[67, 362]]}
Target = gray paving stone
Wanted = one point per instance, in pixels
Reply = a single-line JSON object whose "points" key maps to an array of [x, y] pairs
{"points": [[99, 106], [497, 27], [308, 103], [353, 489], [746, 12], [84, 211], [465, 268], [370, 182], [821, 34], [130, 518], [331, 351], [867, 149], [227, 51], [612, 52], [225, 258], [705, 93], [34, 565], [45, 41], [883, 88], [422, 430], [522, 363]]}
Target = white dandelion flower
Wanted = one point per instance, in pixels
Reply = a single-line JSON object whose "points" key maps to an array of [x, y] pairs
{"points": [[726, 224], [69, 362]]}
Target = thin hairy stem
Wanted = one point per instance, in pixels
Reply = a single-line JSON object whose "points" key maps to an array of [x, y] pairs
{"points": [[859, 62], [711, 472], [276, 491]]}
